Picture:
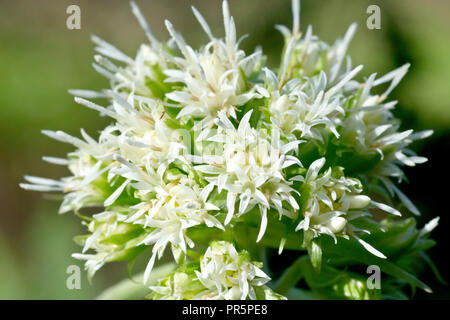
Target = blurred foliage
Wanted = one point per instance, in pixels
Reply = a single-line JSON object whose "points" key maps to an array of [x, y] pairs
{"points": [[40, 60]]}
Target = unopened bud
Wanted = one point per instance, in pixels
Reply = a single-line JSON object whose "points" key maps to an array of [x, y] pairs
{"points": [[336, 224], [359, 201]]}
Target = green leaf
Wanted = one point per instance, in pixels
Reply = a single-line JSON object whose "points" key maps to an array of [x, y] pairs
{"points": [[129, 289], [327, 277], [291, 276], [300, 294], [354, 251], [355, 288], [337, 284], [433, 267]]}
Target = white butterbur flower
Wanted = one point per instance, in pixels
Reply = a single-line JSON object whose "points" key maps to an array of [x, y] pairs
{"points": [[231, 275], [369, 124], [307, 55], [332, 201], [176, 208], [88, 166], [250, 168], [313, 55], [214, 78], [223, 273], [371, 128], [143, 75], [148, 140], [111, 238], [204, 142], [181, 285], [304, 109], [140, 132]]}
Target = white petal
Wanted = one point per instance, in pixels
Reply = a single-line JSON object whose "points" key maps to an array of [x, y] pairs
{"points": [[386, 208], [113, 197], [429, 226], [231, 199], [263, 226], [369, 248]]}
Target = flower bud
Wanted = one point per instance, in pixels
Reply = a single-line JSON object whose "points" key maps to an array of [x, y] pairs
{"points": [[336, 224], [359, 201]]}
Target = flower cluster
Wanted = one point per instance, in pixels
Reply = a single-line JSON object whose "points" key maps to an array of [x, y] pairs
{"points": [[222, 273], [205, 143]]}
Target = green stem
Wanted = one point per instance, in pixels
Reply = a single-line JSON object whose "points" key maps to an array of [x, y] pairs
{"points": [[133, 289], [291, 276]]}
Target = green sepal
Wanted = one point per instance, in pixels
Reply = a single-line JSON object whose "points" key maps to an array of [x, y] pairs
{"points": [[315, 255]]}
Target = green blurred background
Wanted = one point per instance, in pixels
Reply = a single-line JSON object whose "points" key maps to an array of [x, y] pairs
{"points": [[40, 59]]}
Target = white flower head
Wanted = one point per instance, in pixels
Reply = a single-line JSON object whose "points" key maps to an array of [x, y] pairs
{"points": [[230, 274], [142, 75], [88, 166], [306, 108], [223, 273], [332, 201], [203, 141], [111, 238], [215, 79], [176, 208], [250, 167], [306, 55], [370, 128]]}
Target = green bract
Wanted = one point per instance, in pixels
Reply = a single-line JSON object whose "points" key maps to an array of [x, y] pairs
{"points": [[219, 159]]}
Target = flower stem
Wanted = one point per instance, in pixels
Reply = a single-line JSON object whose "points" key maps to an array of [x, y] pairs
{"points": [[291, 276], [131, 289]]}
